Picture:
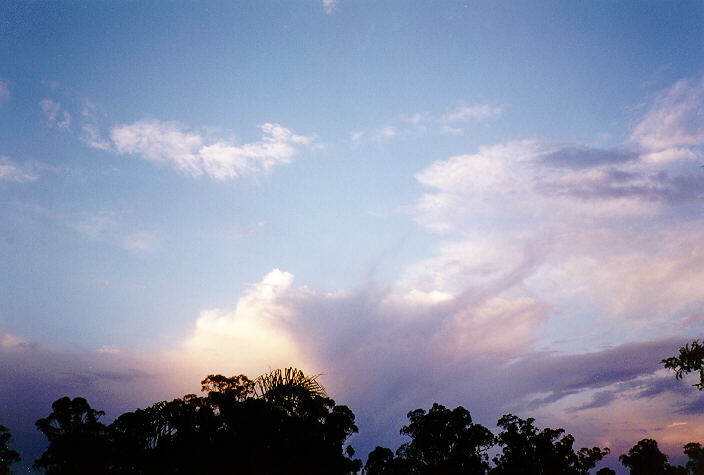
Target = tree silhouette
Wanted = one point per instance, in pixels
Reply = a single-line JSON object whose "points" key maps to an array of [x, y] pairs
{"points": [[527, 451], [695, 452], [288, 429], [78, 442], [7, 455], [691, 358], [443, 441], [606, 471], [645, 458]]}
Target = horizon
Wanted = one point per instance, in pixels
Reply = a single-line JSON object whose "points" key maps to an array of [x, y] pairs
{"points": [[493, 205]]}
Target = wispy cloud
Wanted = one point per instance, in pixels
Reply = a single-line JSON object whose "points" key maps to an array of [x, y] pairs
{"points": [[188, 152], [90, 131], [4, 90], [330, 6], [476, 112], [110, 227], [419, 123], [54, 114], [675, 119], [12, 171], [141, 242]]}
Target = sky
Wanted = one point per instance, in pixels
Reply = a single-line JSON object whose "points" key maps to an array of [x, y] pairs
{"points": [[489, 204]]}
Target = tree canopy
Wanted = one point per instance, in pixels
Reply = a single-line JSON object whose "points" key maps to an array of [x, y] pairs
{"points": [[7, 455], [645, 458], [296, 429], [690, 359], [283, 422]]}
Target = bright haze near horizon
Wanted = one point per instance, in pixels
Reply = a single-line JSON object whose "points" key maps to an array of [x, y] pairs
{"points": [[489, 204]]}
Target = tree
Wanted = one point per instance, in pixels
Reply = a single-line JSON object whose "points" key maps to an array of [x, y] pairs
{"points": [[645, 458], [7, 455], [527, 451], [606, 471], [691, 358], [695, 452], [78, 441], [443, 441], [291, 428]]}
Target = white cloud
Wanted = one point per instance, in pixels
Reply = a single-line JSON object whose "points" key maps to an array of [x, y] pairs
{"points": [[12, 171], [330, 6], [54, 114], [175, 145]]}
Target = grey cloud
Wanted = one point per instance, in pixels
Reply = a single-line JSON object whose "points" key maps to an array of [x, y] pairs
{"points": [[693, 407], [584, 157], [611, 184], [600, 399]]}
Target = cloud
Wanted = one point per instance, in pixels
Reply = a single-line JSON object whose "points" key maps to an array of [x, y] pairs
{"points": [[54, 114], [12, 171], [476, 112], [422, 123], [111, 227], [4, 90], [175, 145], [675, 119], [578, 157], [474, 348], [141, 242], [330, 6]]}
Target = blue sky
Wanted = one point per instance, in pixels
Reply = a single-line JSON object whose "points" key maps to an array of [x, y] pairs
{"points": [[371, 190]]}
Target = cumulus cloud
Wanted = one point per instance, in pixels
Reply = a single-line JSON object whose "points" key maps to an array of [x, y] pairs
{"points": [[54, 114], [383, 353], [12, 171], [188, 152]]}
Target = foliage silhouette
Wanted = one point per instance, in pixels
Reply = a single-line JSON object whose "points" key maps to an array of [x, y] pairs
{"points": [[645, 458], [295, 431], [443, 441], [528, 451], [78, 441], [695, 452], [691, 358], [283, 423], [7, 455]]}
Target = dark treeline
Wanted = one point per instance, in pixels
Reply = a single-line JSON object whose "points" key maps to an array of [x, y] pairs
{"points": [[284, 423]]}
